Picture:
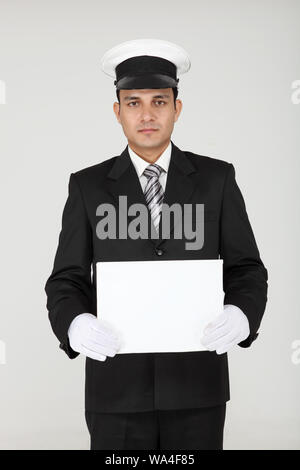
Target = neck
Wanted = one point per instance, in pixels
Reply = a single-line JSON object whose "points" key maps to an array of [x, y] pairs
{"points": [[149, 155]]}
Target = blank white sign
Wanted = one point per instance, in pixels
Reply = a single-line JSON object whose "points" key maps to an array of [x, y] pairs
{"points": [[160, 306]]}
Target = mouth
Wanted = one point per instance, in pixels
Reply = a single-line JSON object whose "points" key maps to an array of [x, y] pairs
{"points": [[147, 131]]}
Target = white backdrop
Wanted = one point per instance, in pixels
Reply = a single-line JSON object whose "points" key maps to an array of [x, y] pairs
{"points": [[57, 117]]}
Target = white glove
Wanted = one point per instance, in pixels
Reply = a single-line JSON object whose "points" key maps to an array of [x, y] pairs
{"points": [[227, 330], [93, 337]]}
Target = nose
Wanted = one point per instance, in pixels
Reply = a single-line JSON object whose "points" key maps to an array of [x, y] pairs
{"points": [[147, 113]]}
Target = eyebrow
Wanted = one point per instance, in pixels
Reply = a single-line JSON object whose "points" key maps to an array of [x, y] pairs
{"points": [[128, 98]]}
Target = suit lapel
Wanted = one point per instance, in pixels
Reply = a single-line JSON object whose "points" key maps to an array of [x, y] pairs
{"points": [[122, 180]]}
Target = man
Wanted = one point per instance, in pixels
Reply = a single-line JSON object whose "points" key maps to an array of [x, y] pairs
{"points": [[154, 400]]}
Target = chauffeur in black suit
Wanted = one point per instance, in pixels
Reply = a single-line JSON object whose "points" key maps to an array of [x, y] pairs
{"points": [[173, 400]]}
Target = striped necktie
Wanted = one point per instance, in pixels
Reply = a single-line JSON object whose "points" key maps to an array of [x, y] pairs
{"points": [[154, 192]]}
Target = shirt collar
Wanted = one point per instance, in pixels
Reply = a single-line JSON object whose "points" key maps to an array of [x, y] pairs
{"points": [[140, 164]]}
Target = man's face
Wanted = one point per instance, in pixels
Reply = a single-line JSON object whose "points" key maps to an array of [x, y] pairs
{"points": [[151, 109]]}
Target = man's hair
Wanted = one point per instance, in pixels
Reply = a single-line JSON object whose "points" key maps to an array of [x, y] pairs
{"points": [[175, 93]]}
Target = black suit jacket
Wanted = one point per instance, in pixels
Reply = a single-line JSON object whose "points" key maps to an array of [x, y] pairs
{"points": [[147, 381]]}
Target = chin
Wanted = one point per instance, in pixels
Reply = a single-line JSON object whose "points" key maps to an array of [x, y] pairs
{"points": [[149, 144], [148, 140]]}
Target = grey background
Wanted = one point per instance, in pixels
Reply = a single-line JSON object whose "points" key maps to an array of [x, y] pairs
{"points": [[58, 118]]}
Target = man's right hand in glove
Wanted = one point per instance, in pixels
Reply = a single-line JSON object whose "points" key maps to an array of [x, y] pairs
{"points": [[93, 337]]}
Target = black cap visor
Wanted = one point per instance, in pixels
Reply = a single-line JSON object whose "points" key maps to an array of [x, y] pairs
{"points": [[146, 81]]}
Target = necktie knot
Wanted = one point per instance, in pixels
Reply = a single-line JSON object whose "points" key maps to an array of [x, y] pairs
{"points": [[153, 170]]}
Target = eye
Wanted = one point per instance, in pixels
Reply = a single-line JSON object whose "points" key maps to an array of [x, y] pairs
{"points": [[133, 102]]}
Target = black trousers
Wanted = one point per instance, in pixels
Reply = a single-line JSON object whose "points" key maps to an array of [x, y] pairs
{"points": [[197, 429]]}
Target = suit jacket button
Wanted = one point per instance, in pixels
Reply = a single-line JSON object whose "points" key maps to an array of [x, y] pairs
{"points": [[159, 252]]}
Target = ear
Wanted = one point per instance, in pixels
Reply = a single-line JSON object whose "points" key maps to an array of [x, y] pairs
{"points": [[178, 109], [116, 108]]}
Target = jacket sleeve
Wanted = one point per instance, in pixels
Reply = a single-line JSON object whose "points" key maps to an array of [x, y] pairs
{"points": [[244, 274], [69, 288]]}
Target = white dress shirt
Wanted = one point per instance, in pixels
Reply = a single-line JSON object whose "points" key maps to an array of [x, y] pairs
{"points": [[140, 165]]}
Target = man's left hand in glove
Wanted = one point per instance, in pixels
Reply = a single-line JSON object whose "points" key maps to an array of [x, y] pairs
{"points": [[227, 330]]}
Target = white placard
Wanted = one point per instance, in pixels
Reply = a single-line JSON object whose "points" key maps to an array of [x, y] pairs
{"points": [[160, 306]]}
